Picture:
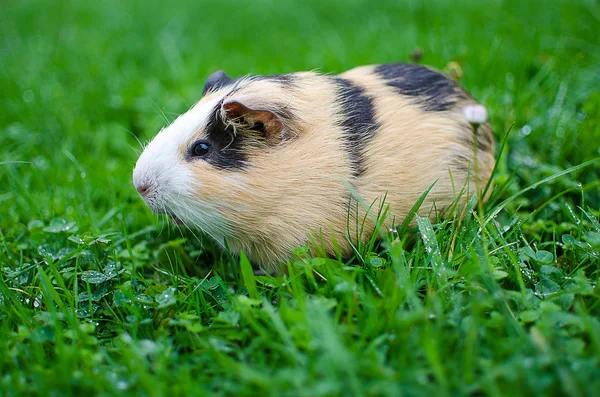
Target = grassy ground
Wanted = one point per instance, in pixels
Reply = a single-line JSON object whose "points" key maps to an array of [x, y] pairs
{"points": [[99, 296]]}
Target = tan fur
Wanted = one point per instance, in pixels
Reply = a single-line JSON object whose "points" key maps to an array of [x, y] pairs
{"points": [[298, 189], [415, 149]]}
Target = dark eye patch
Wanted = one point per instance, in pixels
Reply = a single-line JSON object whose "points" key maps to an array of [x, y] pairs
{"points": [[225, 149]]}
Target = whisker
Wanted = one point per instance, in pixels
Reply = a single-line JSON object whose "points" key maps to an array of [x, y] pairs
{"points": [[137, 151], [136, 138], [164, 116]]}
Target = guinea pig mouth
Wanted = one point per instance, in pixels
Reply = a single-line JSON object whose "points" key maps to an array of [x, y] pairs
{"points": [[173, 217], [164, 211], [176, 220]]}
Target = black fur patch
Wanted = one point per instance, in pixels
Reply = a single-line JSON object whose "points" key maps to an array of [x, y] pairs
{"points": [[217, 80], [359, 120], [432, 90], [227, 149]]}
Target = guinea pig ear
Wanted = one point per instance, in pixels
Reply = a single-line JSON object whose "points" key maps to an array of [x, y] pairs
{"points": [[264, 121], [215, 81]]}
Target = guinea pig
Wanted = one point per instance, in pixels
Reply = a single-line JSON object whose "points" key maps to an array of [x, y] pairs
{"points": [[266, 164]]}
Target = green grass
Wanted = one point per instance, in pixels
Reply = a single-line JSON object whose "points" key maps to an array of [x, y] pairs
{"points": [[99, 296]]}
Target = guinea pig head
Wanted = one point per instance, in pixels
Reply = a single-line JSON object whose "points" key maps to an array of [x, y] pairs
{"points": [[195, 169]]}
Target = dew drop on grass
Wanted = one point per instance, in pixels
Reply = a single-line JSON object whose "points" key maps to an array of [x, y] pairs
{"points": [[429, 241], [59, 225], [572, 213], [166, 298], [76, 240], [112, 270], [121, 299], [93, 277], [45, 251], [82, 312]]}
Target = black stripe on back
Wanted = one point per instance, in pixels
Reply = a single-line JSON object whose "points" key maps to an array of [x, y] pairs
{"points": [[358, 121], [431, 90]]}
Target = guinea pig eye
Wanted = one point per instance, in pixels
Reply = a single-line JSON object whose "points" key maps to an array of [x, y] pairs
{"points": [[200, 149]]}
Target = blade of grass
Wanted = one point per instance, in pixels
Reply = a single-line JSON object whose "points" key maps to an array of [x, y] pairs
{"points": [[413, 211], [248, 276]]}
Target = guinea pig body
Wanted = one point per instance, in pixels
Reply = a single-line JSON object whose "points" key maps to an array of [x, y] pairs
{"points": [[270, 163]]}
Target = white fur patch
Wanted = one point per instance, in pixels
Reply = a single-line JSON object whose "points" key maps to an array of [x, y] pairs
{"points": [[162, 167]]}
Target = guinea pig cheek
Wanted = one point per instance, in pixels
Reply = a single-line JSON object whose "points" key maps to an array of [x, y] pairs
{"points": [[198, 202], [215, 188], [206, 186]]}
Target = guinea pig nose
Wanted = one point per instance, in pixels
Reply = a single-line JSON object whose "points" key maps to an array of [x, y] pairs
{"points": [[143, 189]]}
